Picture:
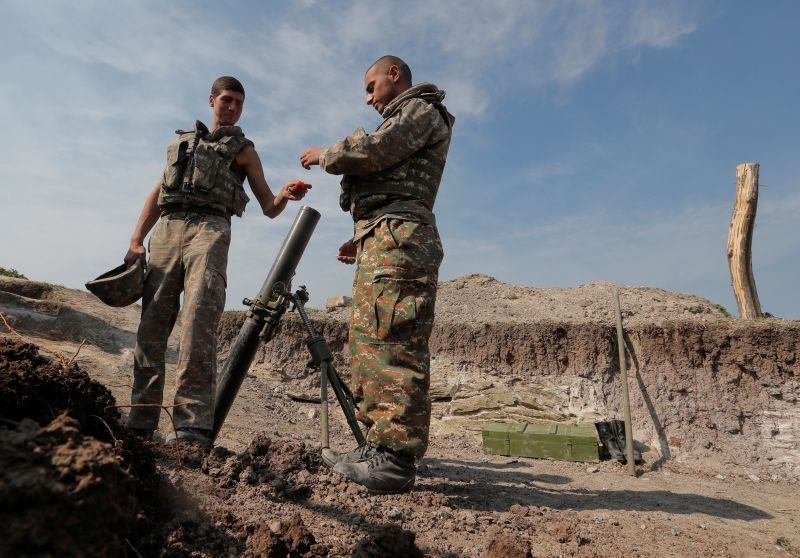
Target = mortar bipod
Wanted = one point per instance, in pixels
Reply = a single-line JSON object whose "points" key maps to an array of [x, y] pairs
{"points": [[321, 356]]}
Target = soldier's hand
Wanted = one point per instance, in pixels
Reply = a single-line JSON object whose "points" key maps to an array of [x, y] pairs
{"points": [[135, 251], [347, 253], [310, 157], [295, 190]]}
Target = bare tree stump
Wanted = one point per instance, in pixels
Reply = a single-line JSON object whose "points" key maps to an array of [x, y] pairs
{"points": [[740, 241]]}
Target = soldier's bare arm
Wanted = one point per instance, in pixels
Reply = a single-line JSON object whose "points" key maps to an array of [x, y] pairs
{"points": [[147, 219], [398, 138], [271, 205]]}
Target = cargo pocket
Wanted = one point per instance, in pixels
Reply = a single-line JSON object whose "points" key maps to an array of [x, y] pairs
{"points": [[176, 165], [397, 304], [206, 167], [216, 280], [212, 300]]}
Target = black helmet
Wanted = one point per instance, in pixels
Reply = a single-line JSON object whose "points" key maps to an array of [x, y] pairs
{"points": [[121, 286]]}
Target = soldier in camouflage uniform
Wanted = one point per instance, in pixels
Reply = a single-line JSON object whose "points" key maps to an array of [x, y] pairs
{"points": [[202, 186], [390, 182]]}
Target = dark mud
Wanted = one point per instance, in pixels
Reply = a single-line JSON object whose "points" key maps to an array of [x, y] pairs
{"points": [[63, 493], [73, 480], [286, 467], [388, 540], [289, 538]]}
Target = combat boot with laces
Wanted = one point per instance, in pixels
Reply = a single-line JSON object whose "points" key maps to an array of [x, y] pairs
{"points": [[383, 471], [331, 457]]}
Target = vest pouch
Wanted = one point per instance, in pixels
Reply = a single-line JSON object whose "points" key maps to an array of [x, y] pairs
{"points": [[240, 199], [176, 165], [229, 146], [390, 180], [397, 173], [206, 167], [348, 183]]}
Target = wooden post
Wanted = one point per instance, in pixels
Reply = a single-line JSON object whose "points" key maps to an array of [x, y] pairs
{"points": [[740, 241], [626, 401]]}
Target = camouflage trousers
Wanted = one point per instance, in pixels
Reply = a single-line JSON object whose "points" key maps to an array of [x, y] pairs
{"points": [[189, 254], [393, 305]]}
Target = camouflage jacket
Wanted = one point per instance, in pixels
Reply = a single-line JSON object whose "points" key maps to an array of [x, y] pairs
{"points": [[396, 169], [198, 174]]}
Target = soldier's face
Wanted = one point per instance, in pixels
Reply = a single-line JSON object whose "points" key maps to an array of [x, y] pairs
{"points": [[381, 86], [227, 107]]}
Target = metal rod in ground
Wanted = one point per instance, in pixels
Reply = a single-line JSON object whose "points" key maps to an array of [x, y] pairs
{"points": [[322, 356], [323, 412], [346, 402], [626, 402]]}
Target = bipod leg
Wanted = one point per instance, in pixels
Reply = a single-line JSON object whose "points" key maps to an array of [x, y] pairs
{"points": [[346, 402]]}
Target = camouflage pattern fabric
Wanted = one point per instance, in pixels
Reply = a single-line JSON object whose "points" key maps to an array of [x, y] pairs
{"points": [[393, 309], [121, 286], [188, 253], [400, 163], [391, 180], [198, 172]]}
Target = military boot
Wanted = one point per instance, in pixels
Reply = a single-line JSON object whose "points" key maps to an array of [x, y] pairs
{"points": [[332, 457], [190, 435], [384, 471]]}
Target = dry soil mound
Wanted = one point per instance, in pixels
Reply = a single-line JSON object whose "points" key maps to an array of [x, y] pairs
{"points": [[480, 298]]}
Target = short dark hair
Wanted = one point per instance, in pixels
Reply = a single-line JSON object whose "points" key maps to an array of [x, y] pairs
{"points": [[390, 60], [226, 82]]}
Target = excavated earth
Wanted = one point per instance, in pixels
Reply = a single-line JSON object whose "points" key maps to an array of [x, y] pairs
{"points": [[714, 404]]}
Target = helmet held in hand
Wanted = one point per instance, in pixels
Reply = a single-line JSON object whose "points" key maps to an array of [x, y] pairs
{"points": [[121, 286]]}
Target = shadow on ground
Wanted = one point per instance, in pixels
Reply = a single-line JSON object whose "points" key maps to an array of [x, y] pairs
{"points": [[464, 484]]}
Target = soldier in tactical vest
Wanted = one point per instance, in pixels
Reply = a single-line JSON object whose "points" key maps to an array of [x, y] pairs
{"points": [[191, 207], [390, 182]]}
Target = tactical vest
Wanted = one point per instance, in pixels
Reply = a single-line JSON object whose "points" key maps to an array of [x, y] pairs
{"points": [[414, 179], [198, 175]]}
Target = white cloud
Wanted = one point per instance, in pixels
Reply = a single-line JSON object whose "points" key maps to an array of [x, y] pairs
{"points": [[660, 24], [125, 73]]}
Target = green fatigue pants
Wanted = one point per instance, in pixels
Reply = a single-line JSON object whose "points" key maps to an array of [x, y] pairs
{"points": [[189, 253], [393, 303]]}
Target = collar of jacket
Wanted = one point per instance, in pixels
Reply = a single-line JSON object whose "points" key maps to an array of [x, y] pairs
{"points": [[216, 135], [427, 91], [224, 131]]}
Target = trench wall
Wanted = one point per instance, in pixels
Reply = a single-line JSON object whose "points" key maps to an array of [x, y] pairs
{"points": [[723, 396]]}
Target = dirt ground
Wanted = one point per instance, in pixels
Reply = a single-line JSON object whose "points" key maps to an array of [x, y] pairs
{"points": [[73, 483]]}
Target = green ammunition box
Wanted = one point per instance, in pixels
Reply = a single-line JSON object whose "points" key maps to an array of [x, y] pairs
{"points": [[565, 442]]}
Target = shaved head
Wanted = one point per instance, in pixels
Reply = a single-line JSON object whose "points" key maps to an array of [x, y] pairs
{"points": [[383, 64]]}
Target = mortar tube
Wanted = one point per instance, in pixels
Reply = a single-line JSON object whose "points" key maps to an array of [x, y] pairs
{"points": [[626, 402], [248, 340]]}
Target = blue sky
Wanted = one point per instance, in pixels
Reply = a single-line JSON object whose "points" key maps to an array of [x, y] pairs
{"points": [[595, 140]]}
